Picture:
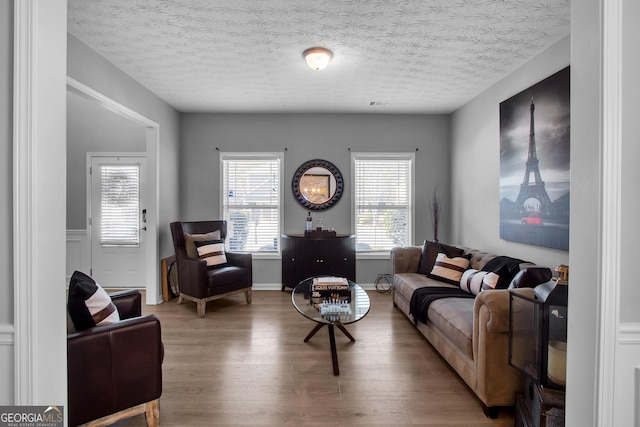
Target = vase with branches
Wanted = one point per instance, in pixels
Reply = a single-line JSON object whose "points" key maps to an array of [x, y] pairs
{"points": [[436, 209]]}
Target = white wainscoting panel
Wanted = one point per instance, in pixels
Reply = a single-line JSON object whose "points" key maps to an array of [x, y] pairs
{"points": [[77, 252], [6, 364], [636, 398], [627, 378]]}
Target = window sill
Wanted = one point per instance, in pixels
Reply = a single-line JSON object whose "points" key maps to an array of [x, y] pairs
{"points": [[273, 255], [373, 255]]}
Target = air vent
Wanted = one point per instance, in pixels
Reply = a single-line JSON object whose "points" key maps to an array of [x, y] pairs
{"points": [[377, 103]]}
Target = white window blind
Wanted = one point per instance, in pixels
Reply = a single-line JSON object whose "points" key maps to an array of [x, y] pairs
{"points": [[120, 205], [383, 200], [251, 193]]}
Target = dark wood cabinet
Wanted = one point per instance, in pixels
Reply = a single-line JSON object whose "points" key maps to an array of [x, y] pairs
{"points": [[304, 257]]}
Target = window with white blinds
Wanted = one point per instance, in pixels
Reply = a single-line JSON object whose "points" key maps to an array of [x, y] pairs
{"points": [[251, 200], [120, 205], [383, 200]]}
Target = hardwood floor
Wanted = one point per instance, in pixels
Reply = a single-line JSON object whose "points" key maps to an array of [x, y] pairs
{"points": [[248, 365]]}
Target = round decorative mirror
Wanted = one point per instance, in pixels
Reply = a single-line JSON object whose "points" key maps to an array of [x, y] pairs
{"points": [[317, 185]]}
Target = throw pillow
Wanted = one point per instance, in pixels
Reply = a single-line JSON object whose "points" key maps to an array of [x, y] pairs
{"points": [[89, 304], [531, 277], [449, 270], [491, 280], [430, 251], [212, 252], [505, 267], [190, 239], [475, 281]]}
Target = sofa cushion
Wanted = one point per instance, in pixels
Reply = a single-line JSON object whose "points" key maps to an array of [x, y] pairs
{"points": [[190, 239], [430, 251], [212, 251], [406, 283], [449, 270], [89, 304], [224, 278], [454, 317]]}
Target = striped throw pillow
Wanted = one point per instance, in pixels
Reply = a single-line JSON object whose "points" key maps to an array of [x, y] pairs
{"points": [[191, 239], [449, 270], [212, 252], [89, 304], [475, 281]]}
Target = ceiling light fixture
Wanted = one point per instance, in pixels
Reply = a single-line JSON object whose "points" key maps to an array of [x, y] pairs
{"points": [[317, 57]]}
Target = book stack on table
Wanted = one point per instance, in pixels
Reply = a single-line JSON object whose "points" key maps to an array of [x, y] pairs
{"points": [[330, 293]]}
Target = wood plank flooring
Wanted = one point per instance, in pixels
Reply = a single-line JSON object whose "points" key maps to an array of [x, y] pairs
{"points": [[248, 365]]}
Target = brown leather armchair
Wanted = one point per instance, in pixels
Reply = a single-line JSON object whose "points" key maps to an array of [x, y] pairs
{"points": [[199, 283], [115, 371]]}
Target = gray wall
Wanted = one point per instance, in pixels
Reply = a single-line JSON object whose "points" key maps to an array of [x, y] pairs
{"points": [[630, 174], [86, 66], [305, 137], [92, 128], [475, 171], [6, 196]]}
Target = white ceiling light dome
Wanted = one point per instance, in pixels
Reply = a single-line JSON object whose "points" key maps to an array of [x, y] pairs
{"points": [[317, 57]]}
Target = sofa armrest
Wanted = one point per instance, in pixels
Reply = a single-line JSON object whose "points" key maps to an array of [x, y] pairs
{"points": [[497, 381], [191, 273], [405, 259], [113, 367], [496, 304], [240, 259], [129, 303], [244, 260]]}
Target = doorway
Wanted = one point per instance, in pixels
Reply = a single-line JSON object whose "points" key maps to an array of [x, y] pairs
{"points": [[117, 217], [148, 253]]}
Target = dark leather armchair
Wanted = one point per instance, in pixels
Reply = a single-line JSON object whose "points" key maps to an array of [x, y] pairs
{"points": [[115, 371], [199, 283]]}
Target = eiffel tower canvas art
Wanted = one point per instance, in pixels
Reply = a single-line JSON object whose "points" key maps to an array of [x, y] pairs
{"points": [[534, 164]]}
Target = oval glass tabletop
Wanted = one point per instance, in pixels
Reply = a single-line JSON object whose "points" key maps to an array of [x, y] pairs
{"points": [[349, 307]]}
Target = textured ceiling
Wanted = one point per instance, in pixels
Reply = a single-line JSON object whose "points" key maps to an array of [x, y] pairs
{"points": [[404, 56]]}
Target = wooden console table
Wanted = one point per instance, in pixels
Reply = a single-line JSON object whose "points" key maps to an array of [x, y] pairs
{"points": [[304, 257]]}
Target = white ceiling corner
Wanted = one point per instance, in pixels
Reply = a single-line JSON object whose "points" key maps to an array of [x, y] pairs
{"points": [[404, 56]]}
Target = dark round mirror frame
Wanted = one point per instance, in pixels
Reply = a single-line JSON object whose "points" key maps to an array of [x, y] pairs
{"points": [[295, 184]]}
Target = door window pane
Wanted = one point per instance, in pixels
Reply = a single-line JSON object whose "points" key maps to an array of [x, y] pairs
{"points": [[120, 204]]}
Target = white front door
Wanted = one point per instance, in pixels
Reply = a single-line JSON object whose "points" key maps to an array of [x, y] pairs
{"points": [[117, 221]]}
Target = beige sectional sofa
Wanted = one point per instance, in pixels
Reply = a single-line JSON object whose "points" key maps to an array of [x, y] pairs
{"points": [[471, 334]]}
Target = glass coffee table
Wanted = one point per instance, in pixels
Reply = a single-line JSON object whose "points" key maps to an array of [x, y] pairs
{"points": [[353, 306]]}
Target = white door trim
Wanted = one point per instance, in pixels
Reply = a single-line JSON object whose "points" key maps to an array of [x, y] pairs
{"points": [[39, 194], [609, 319], [154, 295]]}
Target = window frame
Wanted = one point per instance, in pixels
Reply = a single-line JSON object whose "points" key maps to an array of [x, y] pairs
{"points": [[359, 156], [279, 156]]}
